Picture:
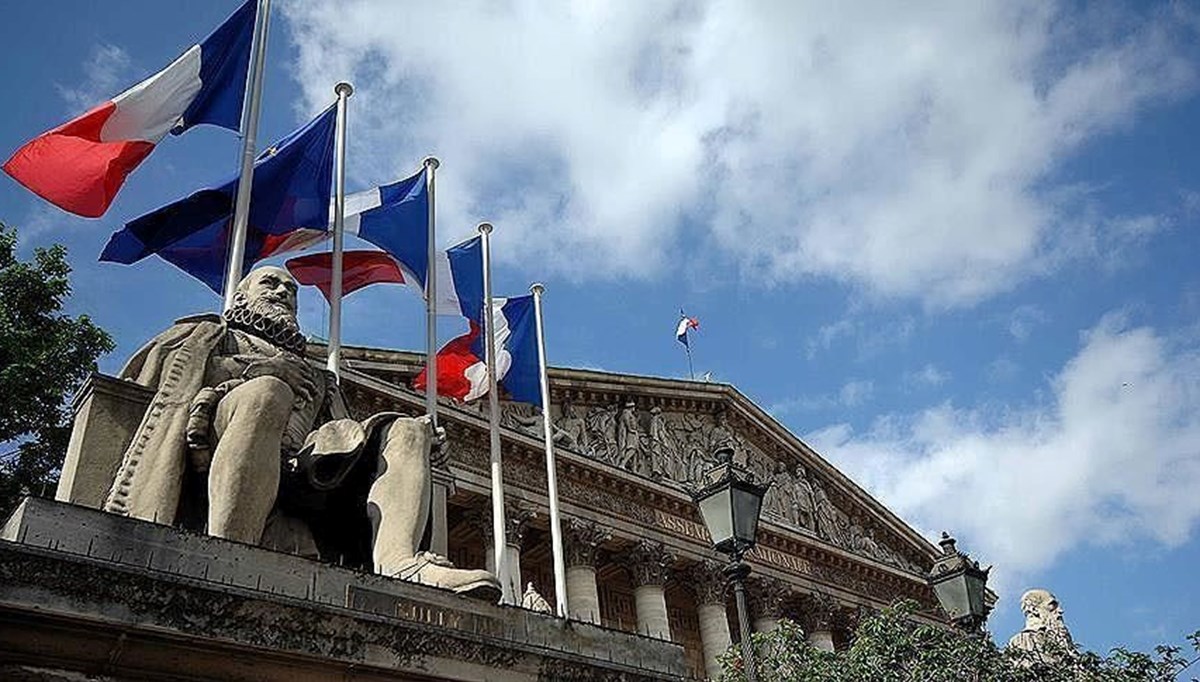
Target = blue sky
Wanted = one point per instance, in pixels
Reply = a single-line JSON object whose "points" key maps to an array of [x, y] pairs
{"points": [[955, 248]]}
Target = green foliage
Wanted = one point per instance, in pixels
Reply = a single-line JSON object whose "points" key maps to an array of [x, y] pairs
{"points": [[44, 357], [892, 646]]}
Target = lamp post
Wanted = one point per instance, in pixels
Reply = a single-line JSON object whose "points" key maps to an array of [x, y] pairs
{"points": [[961, 586], [730, 503]]}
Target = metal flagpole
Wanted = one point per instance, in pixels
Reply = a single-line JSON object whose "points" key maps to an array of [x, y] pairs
{"points": [[251, 105], [431, 375], [343, 90], [560, 569], [499, 543]]}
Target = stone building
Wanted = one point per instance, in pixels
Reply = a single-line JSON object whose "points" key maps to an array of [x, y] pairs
{"points": [[84, 591], [629, 449]]}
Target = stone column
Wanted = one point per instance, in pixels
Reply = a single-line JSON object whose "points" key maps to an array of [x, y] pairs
{"points": [[582, 540], [819, 613], [517, 515], [766, 597], [650, 564], [708, 583]]}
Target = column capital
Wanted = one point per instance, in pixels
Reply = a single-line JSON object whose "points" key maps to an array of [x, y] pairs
{"points": [[650, 563], [708, 582], [766, 596], [820, 612], [517, 515], [583, 538]]}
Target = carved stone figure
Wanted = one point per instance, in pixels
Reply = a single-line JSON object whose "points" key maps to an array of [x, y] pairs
{"points": [[602, 428], [802, 510], [777, 500], [658, 444], [720, 436], [575, 428], [534, 601], [246, 440], [827, 516], [629, 439], [1045, 632]]}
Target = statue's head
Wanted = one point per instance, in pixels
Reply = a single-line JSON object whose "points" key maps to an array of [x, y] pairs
{"points": [[268, 290], [1042, 611], [265, 305]]}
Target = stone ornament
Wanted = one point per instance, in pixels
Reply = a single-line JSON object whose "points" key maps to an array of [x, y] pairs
{"points": [[246, 440], [767, 596], [708, 582], [650, 563], [583, 539], [1045, 636]]}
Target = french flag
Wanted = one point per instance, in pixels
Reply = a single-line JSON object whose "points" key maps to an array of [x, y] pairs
{"points": [[462, 370], [81, 165], [360, 268], [461, 366], [685, 324]]}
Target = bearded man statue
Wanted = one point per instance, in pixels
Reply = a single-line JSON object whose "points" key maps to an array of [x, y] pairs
{"points": [[1045, 635], [246, 440]]}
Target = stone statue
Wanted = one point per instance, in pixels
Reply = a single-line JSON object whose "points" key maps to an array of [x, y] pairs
{"points": [[602, 424], [534, 601], [1045, 633], [657, 444], [803, 508], [574, 427], [629, 439], [828, 525], [248, 441], [776, 503]]}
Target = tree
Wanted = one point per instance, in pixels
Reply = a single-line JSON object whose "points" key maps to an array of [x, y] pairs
{"points": [[45, 356], [892, 646]]}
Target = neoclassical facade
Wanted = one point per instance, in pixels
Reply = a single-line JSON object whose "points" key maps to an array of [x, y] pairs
{"points": [[629, 449]]}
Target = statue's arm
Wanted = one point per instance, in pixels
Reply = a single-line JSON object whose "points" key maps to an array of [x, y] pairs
{"points": [[145, 366]]}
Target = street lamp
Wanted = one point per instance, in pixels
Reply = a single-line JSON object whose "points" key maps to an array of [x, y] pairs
{"points": [[961, 586], [730, 503]]}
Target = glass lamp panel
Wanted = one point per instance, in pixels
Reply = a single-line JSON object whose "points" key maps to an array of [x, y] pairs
{"points": [[975, 589], [952, 595], [746, 508], [718, 516]]}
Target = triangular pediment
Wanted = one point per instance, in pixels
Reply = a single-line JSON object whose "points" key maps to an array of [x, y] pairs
{"points": [[666, 431]]}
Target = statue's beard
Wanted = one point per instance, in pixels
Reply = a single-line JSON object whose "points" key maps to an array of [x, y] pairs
{"points": [[267, 320]]}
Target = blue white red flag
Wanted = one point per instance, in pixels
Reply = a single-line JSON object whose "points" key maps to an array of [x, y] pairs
{"points": [[685, 324], [81, 165], [359, 269], [462, 370], [292, 181]]}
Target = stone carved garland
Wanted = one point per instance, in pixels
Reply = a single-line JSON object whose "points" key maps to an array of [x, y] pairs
{"points": [[675, 448]]}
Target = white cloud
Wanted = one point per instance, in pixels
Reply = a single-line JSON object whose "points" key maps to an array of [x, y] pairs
{"points": [[1112, 457], [908, 150], [853, 393], [1023, 319], [928, 376], [107, 72]]}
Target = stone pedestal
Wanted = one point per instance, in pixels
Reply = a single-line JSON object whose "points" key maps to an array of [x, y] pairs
{"points": [[582, 540], [90, 595], [107, 412], [707, 580]]}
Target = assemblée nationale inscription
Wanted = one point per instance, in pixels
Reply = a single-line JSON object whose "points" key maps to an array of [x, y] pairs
{"points": [[382, 603]]}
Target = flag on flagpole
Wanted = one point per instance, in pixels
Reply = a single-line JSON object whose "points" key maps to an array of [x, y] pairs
{"points": [[81, 165], [292, 185], [685, 324], [360, 268], [462, 367]]}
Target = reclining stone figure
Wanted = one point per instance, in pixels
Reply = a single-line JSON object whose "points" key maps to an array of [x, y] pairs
{"points": [[246, 440]]}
